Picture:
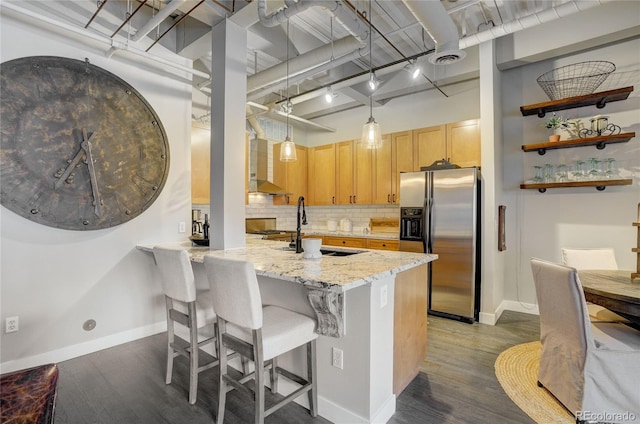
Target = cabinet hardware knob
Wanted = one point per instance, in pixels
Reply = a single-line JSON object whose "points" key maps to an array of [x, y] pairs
{"points": [[388, 198]]}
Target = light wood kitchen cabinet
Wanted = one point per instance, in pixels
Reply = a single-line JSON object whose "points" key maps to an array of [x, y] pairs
{"points": [[322, 175], [429, 145], [354, 173], [463, 143], [383, 244], [292, 176], [200, 164], [457, 142], [345, 241], [395, 156]]}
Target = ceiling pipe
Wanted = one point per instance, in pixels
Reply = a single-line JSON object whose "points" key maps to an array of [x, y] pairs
{"points": [[163, 14], [89, 35], [175, 23], [254, 123], [336, 8], [100, 6], [254, 95], [529, 21], [436, 21], [306, 61]]}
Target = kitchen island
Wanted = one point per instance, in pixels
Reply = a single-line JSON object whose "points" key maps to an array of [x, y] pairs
{"points": [[354, 298]]}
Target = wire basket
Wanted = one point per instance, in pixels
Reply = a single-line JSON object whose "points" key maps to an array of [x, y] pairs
{"points": [[577, 79]]}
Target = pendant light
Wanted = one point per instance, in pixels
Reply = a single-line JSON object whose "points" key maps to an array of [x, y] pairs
{"points": [[288, 147], [371, 134]]}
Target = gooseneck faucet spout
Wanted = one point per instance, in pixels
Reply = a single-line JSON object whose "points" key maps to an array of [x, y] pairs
{"points": [[301, 220]]}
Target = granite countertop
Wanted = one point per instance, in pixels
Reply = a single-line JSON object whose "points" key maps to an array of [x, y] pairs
{"points": [[329, 272]]}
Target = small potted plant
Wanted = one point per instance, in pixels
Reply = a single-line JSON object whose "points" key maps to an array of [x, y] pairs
{"points": [[555, 123]]}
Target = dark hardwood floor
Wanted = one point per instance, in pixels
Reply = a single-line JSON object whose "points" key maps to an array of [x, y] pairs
{"points": [[125, 384]]}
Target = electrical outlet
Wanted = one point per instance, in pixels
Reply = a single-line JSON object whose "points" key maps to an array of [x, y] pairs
{"points": [[336, 359], [182, 227], [383, 296], [11, 325]]}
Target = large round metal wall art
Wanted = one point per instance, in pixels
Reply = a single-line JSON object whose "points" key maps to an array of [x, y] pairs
{"points": [[80, 149]]}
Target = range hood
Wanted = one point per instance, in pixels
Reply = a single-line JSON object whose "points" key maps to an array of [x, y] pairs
{"points": [[259, 169]]}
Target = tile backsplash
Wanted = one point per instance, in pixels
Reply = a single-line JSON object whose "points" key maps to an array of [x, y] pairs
{"points": [[261, 206]]}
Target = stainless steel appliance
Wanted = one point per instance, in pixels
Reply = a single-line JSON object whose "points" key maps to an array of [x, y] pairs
{"points": [[439, 213], [267, 228]]}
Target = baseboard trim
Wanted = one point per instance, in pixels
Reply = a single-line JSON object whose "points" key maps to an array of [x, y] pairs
{"points": [[527, 308], [507, 305], [338, 414], [80, 349]]}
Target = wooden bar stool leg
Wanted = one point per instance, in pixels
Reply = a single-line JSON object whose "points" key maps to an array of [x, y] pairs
{"points": [[274, 376], [170, 339], [259, 377], [193, 363], [222, 385], [312, 378]]}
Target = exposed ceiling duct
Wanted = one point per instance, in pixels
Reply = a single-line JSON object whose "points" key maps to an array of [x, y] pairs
{"points": [[343, 15], [436, 21], [531, 20], [157, 20], [302, 63]]}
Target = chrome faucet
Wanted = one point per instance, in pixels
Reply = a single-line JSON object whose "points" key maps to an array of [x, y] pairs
{"points": [[299, 222]]}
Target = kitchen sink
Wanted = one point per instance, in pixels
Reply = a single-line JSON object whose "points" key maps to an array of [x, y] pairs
{"points": [[326, 251], [335, 252]]}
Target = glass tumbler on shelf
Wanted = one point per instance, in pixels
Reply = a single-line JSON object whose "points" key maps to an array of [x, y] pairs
{"points": [[537, 175], [578, 172], [610, 172], [561, 173], [594, 171], [549, 177]]}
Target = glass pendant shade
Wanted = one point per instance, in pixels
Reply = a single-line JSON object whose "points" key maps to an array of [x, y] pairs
{"points": [[371, 135], [288, 151]]}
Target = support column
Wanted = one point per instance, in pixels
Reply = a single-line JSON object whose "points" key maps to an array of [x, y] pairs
{"points": [[492, 189], [228, 101]]}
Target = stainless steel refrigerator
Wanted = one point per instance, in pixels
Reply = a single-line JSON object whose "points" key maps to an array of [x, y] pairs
{"points": [[439, 213]]}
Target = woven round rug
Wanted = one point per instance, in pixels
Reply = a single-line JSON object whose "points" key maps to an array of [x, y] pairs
{"points": [[517, 372]]}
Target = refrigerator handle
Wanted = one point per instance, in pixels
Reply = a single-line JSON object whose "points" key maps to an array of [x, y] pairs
{"points": [[426, 216]]}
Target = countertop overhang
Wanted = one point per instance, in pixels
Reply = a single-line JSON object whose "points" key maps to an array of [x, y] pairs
{"points": [[331, 273]]}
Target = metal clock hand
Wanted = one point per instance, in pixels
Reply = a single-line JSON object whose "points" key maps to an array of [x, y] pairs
{"points": [[67, 171], [86, 146]]}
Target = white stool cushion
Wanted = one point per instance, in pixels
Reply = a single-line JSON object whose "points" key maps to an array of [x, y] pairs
{"points": [[282, 331]]}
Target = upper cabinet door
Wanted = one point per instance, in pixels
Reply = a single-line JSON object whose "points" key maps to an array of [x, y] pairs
{"points": [[463, 143], [429, 145], [200, 164], [363, 175], [382, 189], [345, 160], [292, 176], [322, 175], [401, 160]]}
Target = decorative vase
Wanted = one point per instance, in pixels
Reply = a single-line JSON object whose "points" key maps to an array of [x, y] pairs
{"points": [[554, 137]]}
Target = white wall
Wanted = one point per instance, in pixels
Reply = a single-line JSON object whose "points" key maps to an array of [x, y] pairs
{"points": [[539, 225], [56, 279]]}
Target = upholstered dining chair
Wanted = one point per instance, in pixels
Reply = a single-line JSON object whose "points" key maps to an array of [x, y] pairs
{"points": [[593, 369], [259, 333], [191, 308], [594, 258]]}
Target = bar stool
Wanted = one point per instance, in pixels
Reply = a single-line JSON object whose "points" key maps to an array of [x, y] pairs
{"points": [[188, 307], [257, 333]]}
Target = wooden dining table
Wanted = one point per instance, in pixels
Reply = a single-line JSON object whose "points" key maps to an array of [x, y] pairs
{"points": [[614, 290]]}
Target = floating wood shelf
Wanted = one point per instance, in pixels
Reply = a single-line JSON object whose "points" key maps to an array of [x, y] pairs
{"points": [[599, 184], [600, 142], [598, 99]]}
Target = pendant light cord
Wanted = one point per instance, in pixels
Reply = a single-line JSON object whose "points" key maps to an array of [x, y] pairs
{"points": [[370, 63], [288, 102]]}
